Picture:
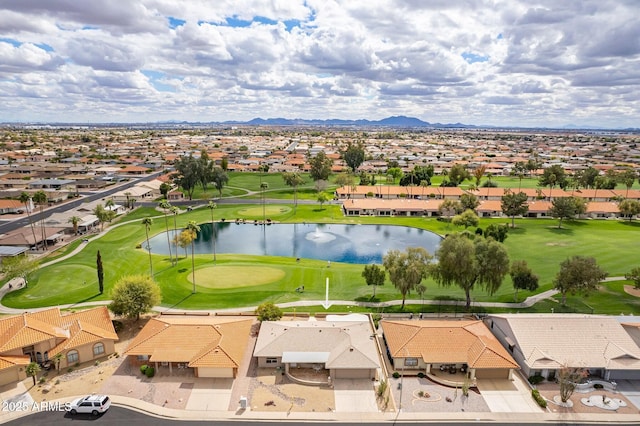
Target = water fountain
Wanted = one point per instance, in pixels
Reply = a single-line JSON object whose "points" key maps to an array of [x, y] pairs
{"points": [[320, 237]]}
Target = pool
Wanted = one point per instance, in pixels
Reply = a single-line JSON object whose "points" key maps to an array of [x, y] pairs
{"points": [[332, 242]]}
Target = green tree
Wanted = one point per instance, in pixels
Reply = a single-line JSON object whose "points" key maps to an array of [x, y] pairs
{"points": [[100, 272], [514, 205], [219, 179], [467, 218], [268, 311], [458, 174], [102, 214], [395, 173], [450, 207], [194, 229], [224, 163], [26, 199], [629, 208], [205, 170], [166, 208], [466, 263], [134, 295], [522, 277], [406, 269], [563, 208], [519, 171], [634, 275], [323, 197], [354, 155], [469, 202], [212, 206], [374, 275], [553, 176], [497, 232], [478, 173], [147, 222], [32, 370], [578, 274], [320, 166], [588, 177], [294, 180], [57, 358], [164, 189], [627, 177], [40, 198], [186, 175]]}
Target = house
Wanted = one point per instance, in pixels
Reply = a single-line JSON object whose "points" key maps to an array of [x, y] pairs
{"points": [[205, 345], [342, 347], [13, 206], [435, 346], [40, 336], [542, 344]]}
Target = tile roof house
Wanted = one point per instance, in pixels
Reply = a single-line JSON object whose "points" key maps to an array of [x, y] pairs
{"points": [[544, 343], [209, 346], [346, 349], [39, 336], [432, 346]]}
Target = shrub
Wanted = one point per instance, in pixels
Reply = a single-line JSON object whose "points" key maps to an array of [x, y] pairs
{"points": [[535, 379], [538, 398], [396, 375], [382, 388], [143, 368], [150, 372], [42, 380], [420, 394], [598, 386], [421, 375]]}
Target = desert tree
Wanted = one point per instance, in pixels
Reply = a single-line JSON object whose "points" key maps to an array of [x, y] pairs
{"points": [[522, 277], [320, 166], [514, 204], [373, 275], [134, 295], [568, 378], [322, 198], [294, 180], [578, 274], [354, 155], [407, 269], [467, 218], [634, 275], [268, 311], [629, 208]]}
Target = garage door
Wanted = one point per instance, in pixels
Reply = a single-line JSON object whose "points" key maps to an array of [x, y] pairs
{"points": [[215, 372], [492, 373], [353, 374]]}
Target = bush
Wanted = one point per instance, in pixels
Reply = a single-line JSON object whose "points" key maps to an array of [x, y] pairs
{"points": [[538, 398], [150, 372], [598, 386], [421, 375], [382, 388], [396, 375], [143, 368], [535, 379]]}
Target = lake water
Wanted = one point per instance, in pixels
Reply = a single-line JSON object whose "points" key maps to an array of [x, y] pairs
{"points": [[335, 242]]}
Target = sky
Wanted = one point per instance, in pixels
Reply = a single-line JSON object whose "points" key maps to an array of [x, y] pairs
{"points": [[542, 63]]}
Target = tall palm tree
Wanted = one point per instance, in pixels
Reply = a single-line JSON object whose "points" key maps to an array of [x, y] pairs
{"points": [[147, 222], [263, 187], [40, 198], [193, 227], [212, 207], [174, 211], [75, 221], [166, 206], [25, 199]]}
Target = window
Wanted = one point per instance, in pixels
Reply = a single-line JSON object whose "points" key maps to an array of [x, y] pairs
{"points": [[143, 357], [98, 349], [72, 357], [411, 362], [272, 360]]}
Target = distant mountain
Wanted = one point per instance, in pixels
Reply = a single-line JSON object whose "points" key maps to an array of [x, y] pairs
{"points": [[396, 121]]}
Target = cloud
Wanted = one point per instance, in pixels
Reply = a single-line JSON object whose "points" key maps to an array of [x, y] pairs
{"points": [[476, 61]]}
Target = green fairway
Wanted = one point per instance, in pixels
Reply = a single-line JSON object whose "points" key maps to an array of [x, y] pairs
{"points": [[225, 277], [236, 281]]}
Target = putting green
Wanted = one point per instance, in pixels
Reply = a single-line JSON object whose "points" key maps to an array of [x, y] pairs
{"points": [[224, 277], [268, 210]]}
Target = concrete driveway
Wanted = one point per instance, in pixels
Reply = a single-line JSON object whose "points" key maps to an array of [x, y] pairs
{"points": [[508, 396], [354, 395], [210, 395], [631, 390]]}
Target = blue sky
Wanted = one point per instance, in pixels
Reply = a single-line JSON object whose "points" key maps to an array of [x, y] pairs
{"points": [[495, 62]]}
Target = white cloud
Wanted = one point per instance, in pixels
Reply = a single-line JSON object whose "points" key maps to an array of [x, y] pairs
{"points": [[475, 61]]}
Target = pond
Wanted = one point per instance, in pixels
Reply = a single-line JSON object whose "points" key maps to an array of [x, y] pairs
{"points": [[332, 242]]}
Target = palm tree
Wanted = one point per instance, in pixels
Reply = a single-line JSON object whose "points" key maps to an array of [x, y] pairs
{"points": [[423, 185], [75, 221], [25, 199], [147, 222], [212, 207], [193, 227], [263, 187], [166, 206], [40, 198], [174, 211]]}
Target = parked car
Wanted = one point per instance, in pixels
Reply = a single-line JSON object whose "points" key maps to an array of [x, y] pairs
{"points": [[94, 404]]}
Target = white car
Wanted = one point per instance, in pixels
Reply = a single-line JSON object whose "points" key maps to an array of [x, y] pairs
{"points": [[94, 404]]}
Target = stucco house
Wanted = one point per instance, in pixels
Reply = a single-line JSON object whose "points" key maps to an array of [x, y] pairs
{"points": [[205, 345], [39, 336], [434, 347], [544, 343], [344, 348]]}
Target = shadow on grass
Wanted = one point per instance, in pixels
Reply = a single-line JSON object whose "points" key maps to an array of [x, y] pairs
{"points": [[184, 299], [87, 299], [561, 231], [631, 224], [367, 299]]}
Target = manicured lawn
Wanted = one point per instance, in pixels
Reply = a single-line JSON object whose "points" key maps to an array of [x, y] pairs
{"points": [[538, 241]]}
